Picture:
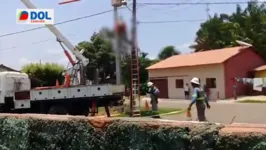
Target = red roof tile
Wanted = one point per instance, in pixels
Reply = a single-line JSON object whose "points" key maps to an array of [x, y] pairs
{"points": [[200, 58], [260, 68]]}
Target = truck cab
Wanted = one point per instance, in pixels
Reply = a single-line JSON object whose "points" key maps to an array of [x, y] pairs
{"points": [[10, 82]]}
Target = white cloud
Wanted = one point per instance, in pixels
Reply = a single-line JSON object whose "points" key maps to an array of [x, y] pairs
{"points": [[63, 61], [23, 61], [152, 57], [54, 51], [184, 48]]}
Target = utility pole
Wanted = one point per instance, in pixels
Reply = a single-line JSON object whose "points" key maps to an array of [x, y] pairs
{"points": [[117, 50], [134, 25], [116, 4], [207, 11]]}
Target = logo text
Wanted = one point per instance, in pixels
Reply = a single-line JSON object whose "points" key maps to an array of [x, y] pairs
{"points": [[35, 16]]}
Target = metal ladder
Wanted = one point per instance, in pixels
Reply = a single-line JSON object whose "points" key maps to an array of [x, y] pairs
{"points": [[135, 84]]}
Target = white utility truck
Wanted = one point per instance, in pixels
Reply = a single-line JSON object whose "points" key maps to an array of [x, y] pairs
{"points": [[16, 96], [79, 98]]}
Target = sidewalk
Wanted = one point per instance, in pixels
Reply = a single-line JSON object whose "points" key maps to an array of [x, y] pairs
{"points": [[188, 101], [231, 100]]}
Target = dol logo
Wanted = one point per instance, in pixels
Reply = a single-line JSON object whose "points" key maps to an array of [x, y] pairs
{"points": [[35, 16]]}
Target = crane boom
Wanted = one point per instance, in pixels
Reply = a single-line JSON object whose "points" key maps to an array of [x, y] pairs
{"points": [[60, 36]]}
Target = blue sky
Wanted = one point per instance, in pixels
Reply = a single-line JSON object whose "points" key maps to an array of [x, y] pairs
{"points": [[151, 37]]}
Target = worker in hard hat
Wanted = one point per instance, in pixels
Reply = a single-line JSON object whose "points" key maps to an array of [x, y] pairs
{"points": [[154, 93], [198, 97]]}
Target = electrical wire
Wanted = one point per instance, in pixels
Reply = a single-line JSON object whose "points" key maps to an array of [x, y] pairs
{"points": [[171, 21], [84, 17], [202, 3], [52, 39], [59, 23], [139, 22], [33, 43], [186, 7], [175, 11]]}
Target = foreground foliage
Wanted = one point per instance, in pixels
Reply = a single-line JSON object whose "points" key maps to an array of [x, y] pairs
{"points": [[63, 133]]}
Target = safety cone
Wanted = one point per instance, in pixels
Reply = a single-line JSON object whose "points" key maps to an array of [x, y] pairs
{"points": [[189, 116], [57, 83], [147, 107], [93, 108]]}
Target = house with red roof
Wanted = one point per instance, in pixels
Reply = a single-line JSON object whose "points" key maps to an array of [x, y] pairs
{"points": [[215, 68]]}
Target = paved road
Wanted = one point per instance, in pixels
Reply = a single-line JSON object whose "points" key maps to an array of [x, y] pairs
{"points": [[222, 112]]}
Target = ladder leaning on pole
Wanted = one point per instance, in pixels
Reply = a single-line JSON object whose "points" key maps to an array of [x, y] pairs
{"points": [[135, 88]]}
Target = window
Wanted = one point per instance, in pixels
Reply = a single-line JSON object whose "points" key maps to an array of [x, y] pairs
{"points": [[179, 83], [211, 82]]}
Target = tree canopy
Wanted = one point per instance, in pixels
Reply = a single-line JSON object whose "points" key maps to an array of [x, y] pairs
{"points": [[245, 24], [100, 54], [144, 62], [48, 72], [168, 51]]}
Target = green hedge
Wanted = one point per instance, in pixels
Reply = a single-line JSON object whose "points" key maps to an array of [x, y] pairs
{"points": [[118, 134]]}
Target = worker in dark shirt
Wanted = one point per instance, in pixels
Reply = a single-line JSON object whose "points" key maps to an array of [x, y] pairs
{"points": [[199, 97], [154, 93]]}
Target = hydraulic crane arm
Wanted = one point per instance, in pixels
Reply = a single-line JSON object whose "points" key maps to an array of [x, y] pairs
{"points": [[60, 36]]}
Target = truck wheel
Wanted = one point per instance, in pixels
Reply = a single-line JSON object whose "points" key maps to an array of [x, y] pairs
{"points": [[86, 113], [59, 110]]}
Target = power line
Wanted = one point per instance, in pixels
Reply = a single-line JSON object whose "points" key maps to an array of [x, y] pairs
{"points": [[171, 21], [33, 43], [141, 22], [18, 46], [186, 7], [59, 23], [206, 3], [42, 41]]}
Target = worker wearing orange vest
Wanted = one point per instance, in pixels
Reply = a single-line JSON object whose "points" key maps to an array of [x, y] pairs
{"points": [[67, 80], [198, 97]]}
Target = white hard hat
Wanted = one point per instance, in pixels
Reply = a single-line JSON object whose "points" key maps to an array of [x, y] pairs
{"points": [[195, 80], [149, 84]]}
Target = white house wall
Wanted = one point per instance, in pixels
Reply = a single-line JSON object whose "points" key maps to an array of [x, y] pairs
{"points": [[187, 73]]}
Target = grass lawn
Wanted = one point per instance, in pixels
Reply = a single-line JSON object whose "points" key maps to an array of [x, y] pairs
{"points": [[113, 111], [101, 111], [145, 113], [252, 101]]}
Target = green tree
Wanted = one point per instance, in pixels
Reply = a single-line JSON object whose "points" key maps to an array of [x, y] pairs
{"points": [[101, 56], [48, 72], [144, 62], [167, 51], [248, 25], [100, 52]]}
